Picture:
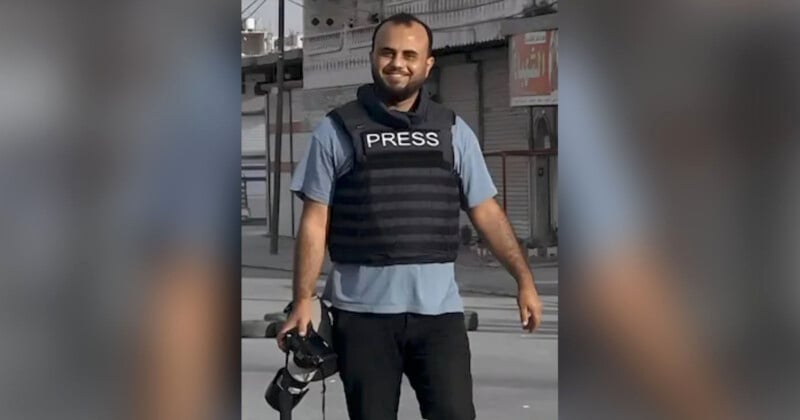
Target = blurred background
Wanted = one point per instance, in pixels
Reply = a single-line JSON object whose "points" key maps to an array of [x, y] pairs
{"points": [[679, 173], [119, 220]]}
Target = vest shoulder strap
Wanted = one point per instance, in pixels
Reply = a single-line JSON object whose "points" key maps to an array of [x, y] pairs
{"points": [[350, 115], [445, 119], [439, 112], [353, 119]]}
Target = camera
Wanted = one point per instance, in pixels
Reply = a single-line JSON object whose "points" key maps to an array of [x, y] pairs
{"points": [[309, 358], [312, 359], [311, 352]]}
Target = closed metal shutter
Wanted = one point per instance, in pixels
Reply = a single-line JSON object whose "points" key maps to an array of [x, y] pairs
{"points": [[507, 128], [457, 89]]}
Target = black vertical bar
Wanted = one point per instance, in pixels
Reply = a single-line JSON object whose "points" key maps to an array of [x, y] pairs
{"points": [[267, 160], [291, 153], [274, 225]]}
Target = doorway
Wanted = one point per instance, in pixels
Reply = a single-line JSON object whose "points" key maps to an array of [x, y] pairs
{"points": [[543, 176]]}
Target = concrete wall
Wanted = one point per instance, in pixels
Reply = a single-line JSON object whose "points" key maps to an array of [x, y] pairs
{"points": [[338, 54]]}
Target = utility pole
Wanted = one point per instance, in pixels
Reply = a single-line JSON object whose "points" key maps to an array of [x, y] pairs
{"points": [[276, 178], [267, 159]]}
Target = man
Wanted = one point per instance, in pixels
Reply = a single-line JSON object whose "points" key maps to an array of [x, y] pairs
{"points": [[383, 182]]}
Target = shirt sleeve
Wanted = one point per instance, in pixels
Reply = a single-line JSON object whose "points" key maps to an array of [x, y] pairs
{"points": [[315, 174], [476, 180]]}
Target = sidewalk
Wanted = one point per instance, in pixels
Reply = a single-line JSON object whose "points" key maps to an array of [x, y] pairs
{"points": [[474, 274]]}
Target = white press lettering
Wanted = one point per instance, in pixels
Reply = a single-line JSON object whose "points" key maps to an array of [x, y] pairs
{"points": [[388, 138], [433, 138], [402, 138], [373, 138], [418, 138]]}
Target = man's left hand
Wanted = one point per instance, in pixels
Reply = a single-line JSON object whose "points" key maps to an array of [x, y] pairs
{"points": [[530, 308]]}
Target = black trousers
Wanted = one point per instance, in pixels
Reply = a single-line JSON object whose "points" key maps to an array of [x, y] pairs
{"points": [[375, 350]]}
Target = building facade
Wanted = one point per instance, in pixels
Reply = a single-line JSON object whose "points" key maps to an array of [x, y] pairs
{"points": [[471, 76]]}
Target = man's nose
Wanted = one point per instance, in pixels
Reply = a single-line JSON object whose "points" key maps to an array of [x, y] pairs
{"points": [[397, 62]]}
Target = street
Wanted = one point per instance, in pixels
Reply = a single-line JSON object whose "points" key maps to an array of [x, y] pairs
{"points": [[515, 375], [474, 276]]}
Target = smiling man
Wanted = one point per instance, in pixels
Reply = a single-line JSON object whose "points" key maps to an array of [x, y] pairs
{"points": [[383, 182]]}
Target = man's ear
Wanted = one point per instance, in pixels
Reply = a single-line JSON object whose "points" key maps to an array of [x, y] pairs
{"points": [[429, 65]]}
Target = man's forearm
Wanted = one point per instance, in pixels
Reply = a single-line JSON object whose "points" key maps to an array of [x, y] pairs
{"points": [[309, 255], [493, 226]]}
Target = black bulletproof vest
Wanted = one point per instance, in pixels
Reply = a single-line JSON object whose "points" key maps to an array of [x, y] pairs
{"points": [[400, 202]]}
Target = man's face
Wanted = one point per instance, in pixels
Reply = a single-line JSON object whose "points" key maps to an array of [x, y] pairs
{"points": [[400, 60]]}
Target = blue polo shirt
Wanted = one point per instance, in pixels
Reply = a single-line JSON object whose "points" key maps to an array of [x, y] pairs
{"points": [[428, 289]]}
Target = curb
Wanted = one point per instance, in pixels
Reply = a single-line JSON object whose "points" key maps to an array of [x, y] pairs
{"points": [[257, 328], [267, 267], [289, 270], [548, 289]]}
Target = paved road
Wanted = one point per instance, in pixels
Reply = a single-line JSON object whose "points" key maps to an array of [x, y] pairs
{"points": [[515, 374], [472, 275]]}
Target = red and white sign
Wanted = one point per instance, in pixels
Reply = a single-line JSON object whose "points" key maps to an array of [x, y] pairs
{"points": [[533, 68]]}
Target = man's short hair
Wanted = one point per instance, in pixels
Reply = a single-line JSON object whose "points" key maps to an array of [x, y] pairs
{"points": [[405, 19]]}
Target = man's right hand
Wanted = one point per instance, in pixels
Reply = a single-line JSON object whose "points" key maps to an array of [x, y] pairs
{"points": [[299, 318]]}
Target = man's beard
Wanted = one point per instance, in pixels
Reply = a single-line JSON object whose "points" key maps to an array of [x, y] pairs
{"points": [[394, 95]]}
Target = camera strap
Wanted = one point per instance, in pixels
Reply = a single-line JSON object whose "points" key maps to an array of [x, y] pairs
{"points": [[285, 398], [323, 399]]}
